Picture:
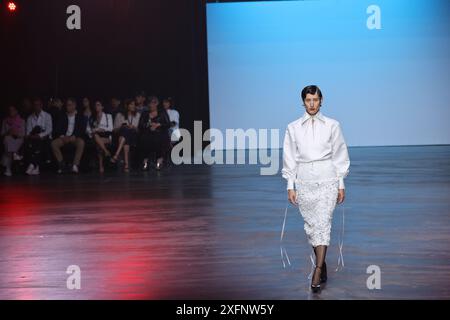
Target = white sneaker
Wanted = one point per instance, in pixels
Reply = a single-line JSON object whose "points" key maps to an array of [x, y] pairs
{"points": [[75, 168], [35, 172], [17, 157], [8, 173], [30, 169]]}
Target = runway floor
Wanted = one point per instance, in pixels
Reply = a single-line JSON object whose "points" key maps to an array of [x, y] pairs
{"points": [[213, 232]]}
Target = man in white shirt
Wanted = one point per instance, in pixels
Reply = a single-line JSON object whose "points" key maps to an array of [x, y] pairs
{"points": [[70, 129], [174, 118], [38, 131]]}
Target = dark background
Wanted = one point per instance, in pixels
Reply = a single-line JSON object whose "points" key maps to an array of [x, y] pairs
{"points": [[123, 46]]}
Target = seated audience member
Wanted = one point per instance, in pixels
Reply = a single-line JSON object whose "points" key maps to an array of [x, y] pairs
{"points": [[174, 117], [154, 134], [12, 133], [70, 129], [140, 102], [38, 131], [115, 107], [100, 129], [56, 109], [86, 108], [127, 126], [26, 108]]}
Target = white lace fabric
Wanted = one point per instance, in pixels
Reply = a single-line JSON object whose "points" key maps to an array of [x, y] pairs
{"points": [[316, 202]]}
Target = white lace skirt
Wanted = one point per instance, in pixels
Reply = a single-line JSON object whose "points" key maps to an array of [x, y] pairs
{"points": [[317, 191]]}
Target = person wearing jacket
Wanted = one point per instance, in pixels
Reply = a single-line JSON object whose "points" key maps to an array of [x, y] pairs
{"points": [[70, 129]]}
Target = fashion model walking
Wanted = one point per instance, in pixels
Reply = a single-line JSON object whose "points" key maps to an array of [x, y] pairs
{"points": [[315, 163]]}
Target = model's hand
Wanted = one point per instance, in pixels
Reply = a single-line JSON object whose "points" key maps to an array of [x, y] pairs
{"points": [[341, 196], [292, 196]]}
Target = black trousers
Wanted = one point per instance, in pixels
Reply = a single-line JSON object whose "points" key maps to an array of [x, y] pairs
{"points": [[154, 143], [36, 150]]}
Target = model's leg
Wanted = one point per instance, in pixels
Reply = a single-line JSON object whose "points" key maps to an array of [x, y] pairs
{"points": [[321, 252], [119, 149], [101, 144], [101, 169], [324, 275], [126, 155]]}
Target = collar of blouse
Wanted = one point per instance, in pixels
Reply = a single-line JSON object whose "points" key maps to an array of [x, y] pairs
{"points": [[307, 116]]}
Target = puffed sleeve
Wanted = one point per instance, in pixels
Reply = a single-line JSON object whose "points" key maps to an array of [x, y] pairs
{"points": [[340, 157], [290, 159]]}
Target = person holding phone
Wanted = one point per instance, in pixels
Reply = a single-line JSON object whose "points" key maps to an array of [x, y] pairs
{"points": [[127, 125]]}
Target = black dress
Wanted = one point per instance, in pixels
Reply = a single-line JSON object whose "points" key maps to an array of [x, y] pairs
{"points": [[130, 134], [154, 142]]}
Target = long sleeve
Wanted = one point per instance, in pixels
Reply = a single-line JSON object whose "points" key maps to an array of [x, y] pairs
{"points": [[340, 156], [29, 125], [164, 120], [290, 159], [109, 123], [48, 126], [137, 120], [175, 117]]}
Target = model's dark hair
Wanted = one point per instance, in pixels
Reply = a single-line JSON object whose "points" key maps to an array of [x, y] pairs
{"points": [[312, 89]]}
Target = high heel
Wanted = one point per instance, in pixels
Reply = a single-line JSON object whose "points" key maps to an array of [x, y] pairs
{"points": [[315, 288], [323, 275]]}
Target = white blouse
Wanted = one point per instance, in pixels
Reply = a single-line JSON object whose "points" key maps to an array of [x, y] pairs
{"points": [[106, 124], [314, 138], [132, 120]]}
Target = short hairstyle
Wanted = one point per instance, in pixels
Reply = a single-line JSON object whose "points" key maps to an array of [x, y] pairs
{"points": [[140, 94], [169, 99], [71, 100], [37, 99], [312, 89]]}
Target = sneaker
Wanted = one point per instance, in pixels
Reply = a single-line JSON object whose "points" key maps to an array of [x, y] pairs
{"points": [[30, 169], [75, 168], [60, 168], [17, 157], [8, 173], [35, 171]]}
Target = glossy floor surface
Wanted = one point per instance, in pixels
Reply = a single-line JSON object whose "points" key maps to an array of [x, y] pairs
{"points": [[212, 232]]}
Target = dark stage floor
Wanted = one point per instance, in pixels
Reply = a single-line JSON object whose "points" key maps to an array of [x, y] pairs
{"points": [[214, 232]]}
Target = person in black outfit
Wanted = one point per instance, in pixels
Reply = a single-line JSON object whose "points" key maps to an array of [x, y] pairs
{"points": [[70, 129], [126, 125], [154, 134], [56, 109]]}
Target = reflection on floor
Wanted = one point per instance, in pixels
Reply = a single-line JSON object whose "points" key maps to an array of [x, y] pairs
{"points": [[214, 232]]}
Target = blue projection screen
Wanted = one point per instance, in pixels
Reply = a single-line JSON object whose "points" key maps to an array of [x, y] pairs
{"points": [[383, 66]]}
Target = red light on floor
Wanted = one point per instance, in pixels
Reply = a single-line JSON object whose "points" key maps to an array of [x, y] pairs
{"points": [[12, 6]]}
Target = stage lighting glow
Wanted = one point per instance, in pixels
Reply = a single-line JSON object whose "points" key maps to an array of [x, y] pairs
{"points": [[12, 6]]}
